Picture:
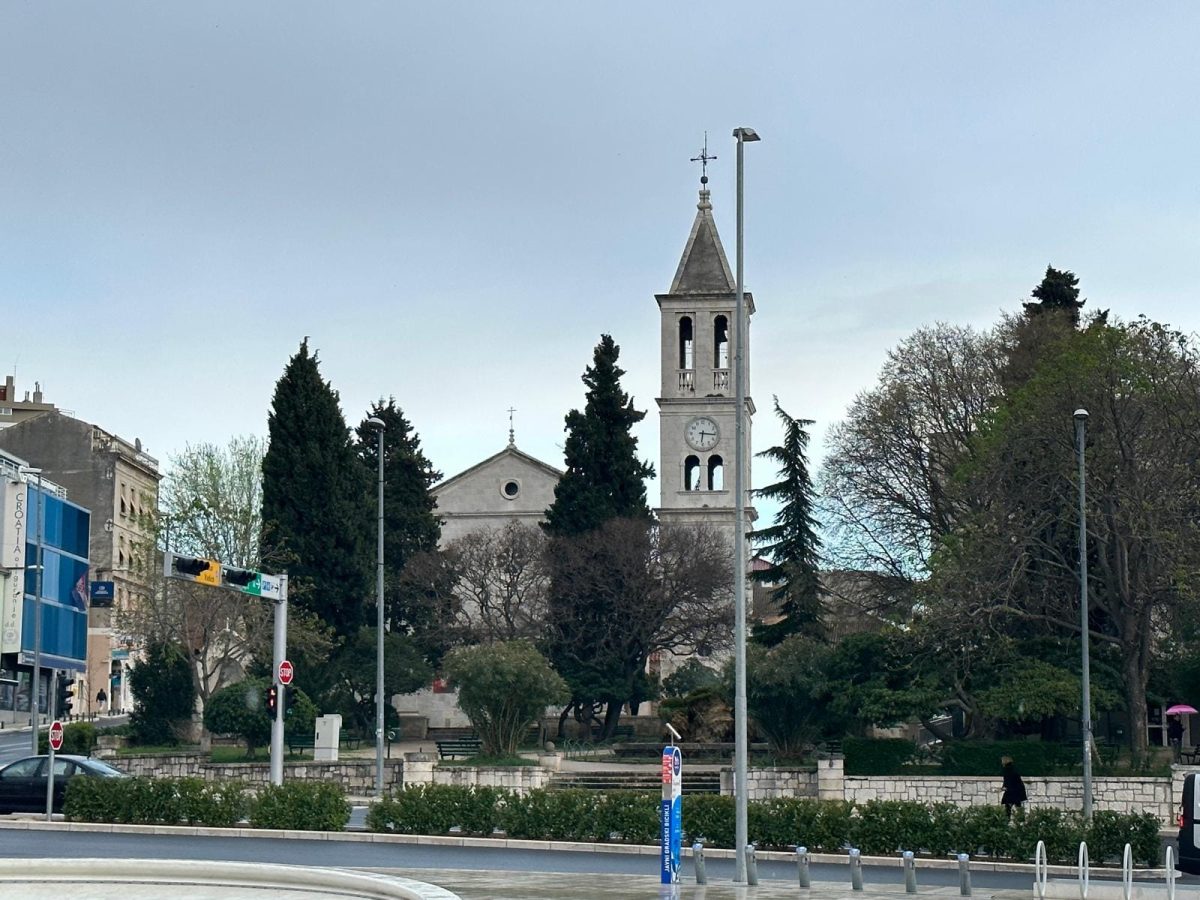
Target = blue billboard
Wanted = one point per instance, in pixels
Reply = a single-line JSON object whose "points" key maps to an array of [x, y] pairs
{"points": [[63, 583]]}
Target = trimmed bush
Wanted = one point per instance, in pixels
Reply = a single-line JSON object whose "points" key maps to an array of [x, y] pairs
{"points": [[878, 757], [164, 801], [1029, 757], [319, 806], [78, 738]]}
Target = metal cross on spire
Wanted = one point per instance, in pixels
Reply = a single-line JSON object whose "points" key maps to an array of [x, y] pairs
{"points": [[511, 436], [704, 159]]}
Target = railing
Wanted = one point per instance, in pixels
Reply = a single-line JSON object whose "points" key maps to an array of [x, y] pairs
{"points": [[687, 381], [721, 381]]}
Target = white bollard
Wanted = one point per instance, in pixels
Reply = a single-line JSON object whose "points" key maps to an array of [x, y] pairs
{"points": [[1041, 870], [751, 866], [856, 882], [1170, 864], [1127, 872], [698, 863], [964, 875], [910, 872], [802, 867], [1085, 873]]}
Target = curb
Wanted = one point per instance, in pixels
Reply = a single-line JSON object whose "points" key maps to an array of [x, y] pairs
{"points": [[367, 837]]}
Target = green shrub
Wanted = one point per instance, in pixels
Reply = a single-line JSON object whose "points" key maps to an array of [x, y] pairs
{"points": [[78, 738], [709, 818], [1029, 757], [886, 827], [877, 757], [437, 808], [319, 806], [162, 801]]}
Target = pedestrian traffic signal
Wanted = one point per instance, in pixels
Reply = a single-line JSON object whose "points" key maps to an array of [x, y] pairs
{"points": [[272, 699], [190, 568]]}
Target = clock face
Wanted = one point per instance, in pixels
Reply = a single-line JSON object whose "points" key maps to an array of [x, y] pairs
{"points": [[702, 433]]}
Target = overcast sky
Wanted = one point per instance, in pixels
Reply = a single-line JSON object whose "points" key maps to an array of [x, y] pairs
{"points": [[454, 200]]}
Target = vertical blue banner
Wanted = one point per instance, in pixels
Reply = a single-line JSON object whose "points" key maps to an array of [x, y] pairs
{"points": [[671, 814]]}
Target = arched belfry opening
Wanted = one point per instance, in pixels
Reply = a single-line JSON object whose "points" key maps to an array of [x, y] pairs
{"points": [[687, 345], [716, 473], [721, 342], [691, 473]]}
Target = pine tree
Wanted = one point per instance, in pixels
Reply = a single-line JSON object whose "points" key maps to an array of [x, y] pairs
{"points": [[604, 478], [1058, 292], [316, 495], [791, 546], [409, 524]]}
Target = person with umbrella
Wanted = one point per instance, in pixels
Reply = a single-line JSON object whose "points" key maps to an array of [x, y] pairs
{"points": [[1175, 727]]}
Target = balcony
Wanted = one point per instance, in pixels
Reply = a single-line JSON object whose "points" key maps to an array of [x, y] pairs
{"points": [[687, 381], [720, 381]]}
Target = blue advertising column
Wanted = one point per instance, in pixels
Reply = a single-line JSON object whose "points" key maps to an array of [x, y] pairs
{"points": [[671, 813]]}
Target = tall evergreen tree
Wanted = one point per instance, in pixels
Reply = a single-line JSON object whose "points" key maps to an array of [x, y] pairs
{"points": [[604, 478], [791, 546], [315, 496], [1058, 292], [409, 524]]}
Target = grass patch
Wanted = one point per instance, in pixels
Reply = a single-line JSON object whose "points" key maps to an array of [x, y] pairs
{"points": [[237, 754], [489, 761], [157, 750]]}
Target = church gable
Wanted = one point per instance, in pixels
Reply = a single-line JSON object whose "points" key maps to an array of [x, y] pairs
{"points": [[510, 486]]}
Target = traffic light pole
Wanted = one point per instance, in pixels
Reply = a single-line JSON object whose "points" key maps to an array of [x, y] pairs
{"points": [[280, 654]]}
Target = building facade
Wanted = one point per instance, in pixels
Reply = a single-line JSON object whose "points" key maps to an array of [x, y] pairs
{"points": [[14, 411], [118, 482], [43, 574]]}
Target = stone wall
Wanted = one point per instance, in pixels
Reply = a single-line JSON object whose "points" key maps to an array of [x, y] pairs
{"points": [[420, 768], [1156, 795], [357, 776]]}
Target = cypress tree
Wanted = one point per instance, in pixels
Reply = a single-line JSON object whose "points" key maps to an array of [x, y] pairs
{"points": [[604, 478], [409, 524], [1058, 292], [791, 546], [315, 496]]}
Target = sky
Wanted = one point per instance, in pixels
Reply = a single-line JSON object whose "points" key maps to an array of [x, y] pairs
{"points": [[453, 201]]}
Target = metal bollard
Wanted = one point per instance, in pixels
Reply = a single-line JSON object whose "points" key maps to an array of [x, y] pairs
{"points": [[802, 867], [910, 872], [856, 870], [751, 866], [964, 875], [698, 862]]}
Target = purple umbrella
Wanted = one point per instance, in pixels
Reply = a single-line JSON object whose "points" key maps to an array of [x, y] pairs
{"points": [[1181, 709]]}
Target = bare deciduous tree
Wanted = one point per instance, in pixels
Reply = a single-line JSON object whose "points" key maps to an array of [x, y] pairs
{"points": [[502, 582]]}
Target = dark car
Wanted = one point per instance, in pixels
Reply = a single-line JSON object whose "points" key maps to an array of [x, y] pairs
{"points": [[23, 783]]}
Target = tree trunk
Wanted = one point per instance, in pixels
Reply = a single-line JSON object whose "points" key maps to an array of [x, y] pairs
{"points": [[612, 715], [1136, 676]]}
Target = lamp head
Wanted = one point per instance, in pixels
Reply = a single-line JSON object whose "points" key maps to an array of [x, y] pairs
{"points": [[745, 135], [376, 422], [1081, 415]]}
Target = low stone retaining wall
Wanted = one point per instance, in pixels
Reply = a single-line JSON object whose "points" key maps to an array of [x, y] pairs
{"points": [[357, 777], [420, 768]]}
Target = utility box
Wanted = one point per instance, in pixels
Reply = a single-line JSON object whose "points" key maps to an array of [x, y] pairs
{"points": [[329, 735]]}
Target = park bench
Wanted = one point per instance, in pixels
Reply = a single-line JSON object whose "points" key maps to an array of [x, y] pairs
{"points": [[300, 742], [452, 748]]}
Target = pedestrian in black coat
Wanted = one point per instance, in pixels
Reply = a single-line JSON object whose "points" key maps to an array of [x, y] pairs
{"points": [[1014, 788]]}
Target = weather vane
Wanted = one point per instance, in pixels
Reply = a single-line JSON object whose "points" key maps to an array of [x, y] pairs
{"points": [[703, 159]]}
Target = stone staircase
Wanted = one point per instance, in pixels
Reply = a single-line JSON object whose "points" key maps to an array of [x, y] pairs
{"points": [[693, 782]]}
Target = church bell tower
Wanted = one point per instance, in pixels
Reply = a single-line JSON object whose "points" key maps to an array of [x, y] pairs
{"points": [[696, 402]]}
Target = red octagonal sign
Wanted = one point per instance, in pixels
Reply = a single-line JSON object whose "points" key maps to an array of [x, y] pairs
{"points": [[285, 672], [56, 736]]}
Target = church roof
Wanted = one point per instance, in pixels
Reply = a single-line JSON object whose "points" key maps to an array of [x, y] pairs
{"points": [[703, 268], [510, 451]]}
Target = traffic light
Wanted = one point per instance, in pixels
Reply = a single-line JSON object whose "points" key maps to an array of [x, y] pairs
{"points": [[65, 696], [272, 699], [189, 568], [241, 580]]}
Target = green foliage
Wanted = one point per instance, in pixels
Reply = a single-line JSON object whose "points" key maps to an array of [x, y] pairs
{"points": [[164, 694], [791, 544], [78, 738], [690, 676], [604, 478], [867, 756], [788, 694], [503, 689], [877, 678], [1029, 757], [1058, 292], [355, 662], [299, 715], [315, 497], [702, 715], [241, 709], [155, 801], [301, 806]]}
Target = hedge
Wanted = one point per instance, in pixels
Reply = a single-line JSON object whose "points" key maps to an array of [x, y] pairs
{"points": [[319, 806], [78, 738], [884, 756], [878, 828]]}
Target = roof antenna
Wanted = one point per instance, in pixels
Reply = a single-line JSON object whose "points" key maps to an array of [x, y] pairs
{"points": [[511, 437]]}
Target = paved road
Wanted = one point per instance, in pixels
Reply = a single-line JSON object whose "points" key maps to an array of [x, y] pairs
{"points": [[33, 844], [14, 744]]}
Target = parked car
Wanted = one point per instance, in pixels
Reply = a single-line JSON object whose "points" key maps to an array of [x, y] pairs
{"points": [[23, 783]]}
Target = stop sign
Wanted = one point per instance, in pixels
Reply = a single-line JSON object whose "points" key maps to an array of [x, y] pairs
{"points": [[56, 736], [285, 672]]}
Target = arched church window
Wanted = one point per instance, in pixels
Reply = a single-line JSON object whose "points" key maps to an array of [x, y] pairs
{"points": [[721, 342], [691, 473], [686, 344], [716, 473]]}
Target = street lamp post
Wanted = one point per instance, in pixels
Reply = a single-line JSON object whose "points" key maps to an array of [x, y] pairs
{"points": [[379, 426], [34, 686], [1081, 417], [741, 746]]}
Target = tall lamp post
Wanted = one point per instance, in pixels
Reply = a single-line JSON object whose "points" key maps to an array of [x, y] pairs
{"points": [[378, 424], [741, 824], [34, 686], [1081, 417]]}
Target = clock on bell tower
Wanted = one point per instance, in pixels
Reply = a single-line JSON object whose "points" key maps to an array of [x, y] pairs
{"points": [[696, 401]]}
